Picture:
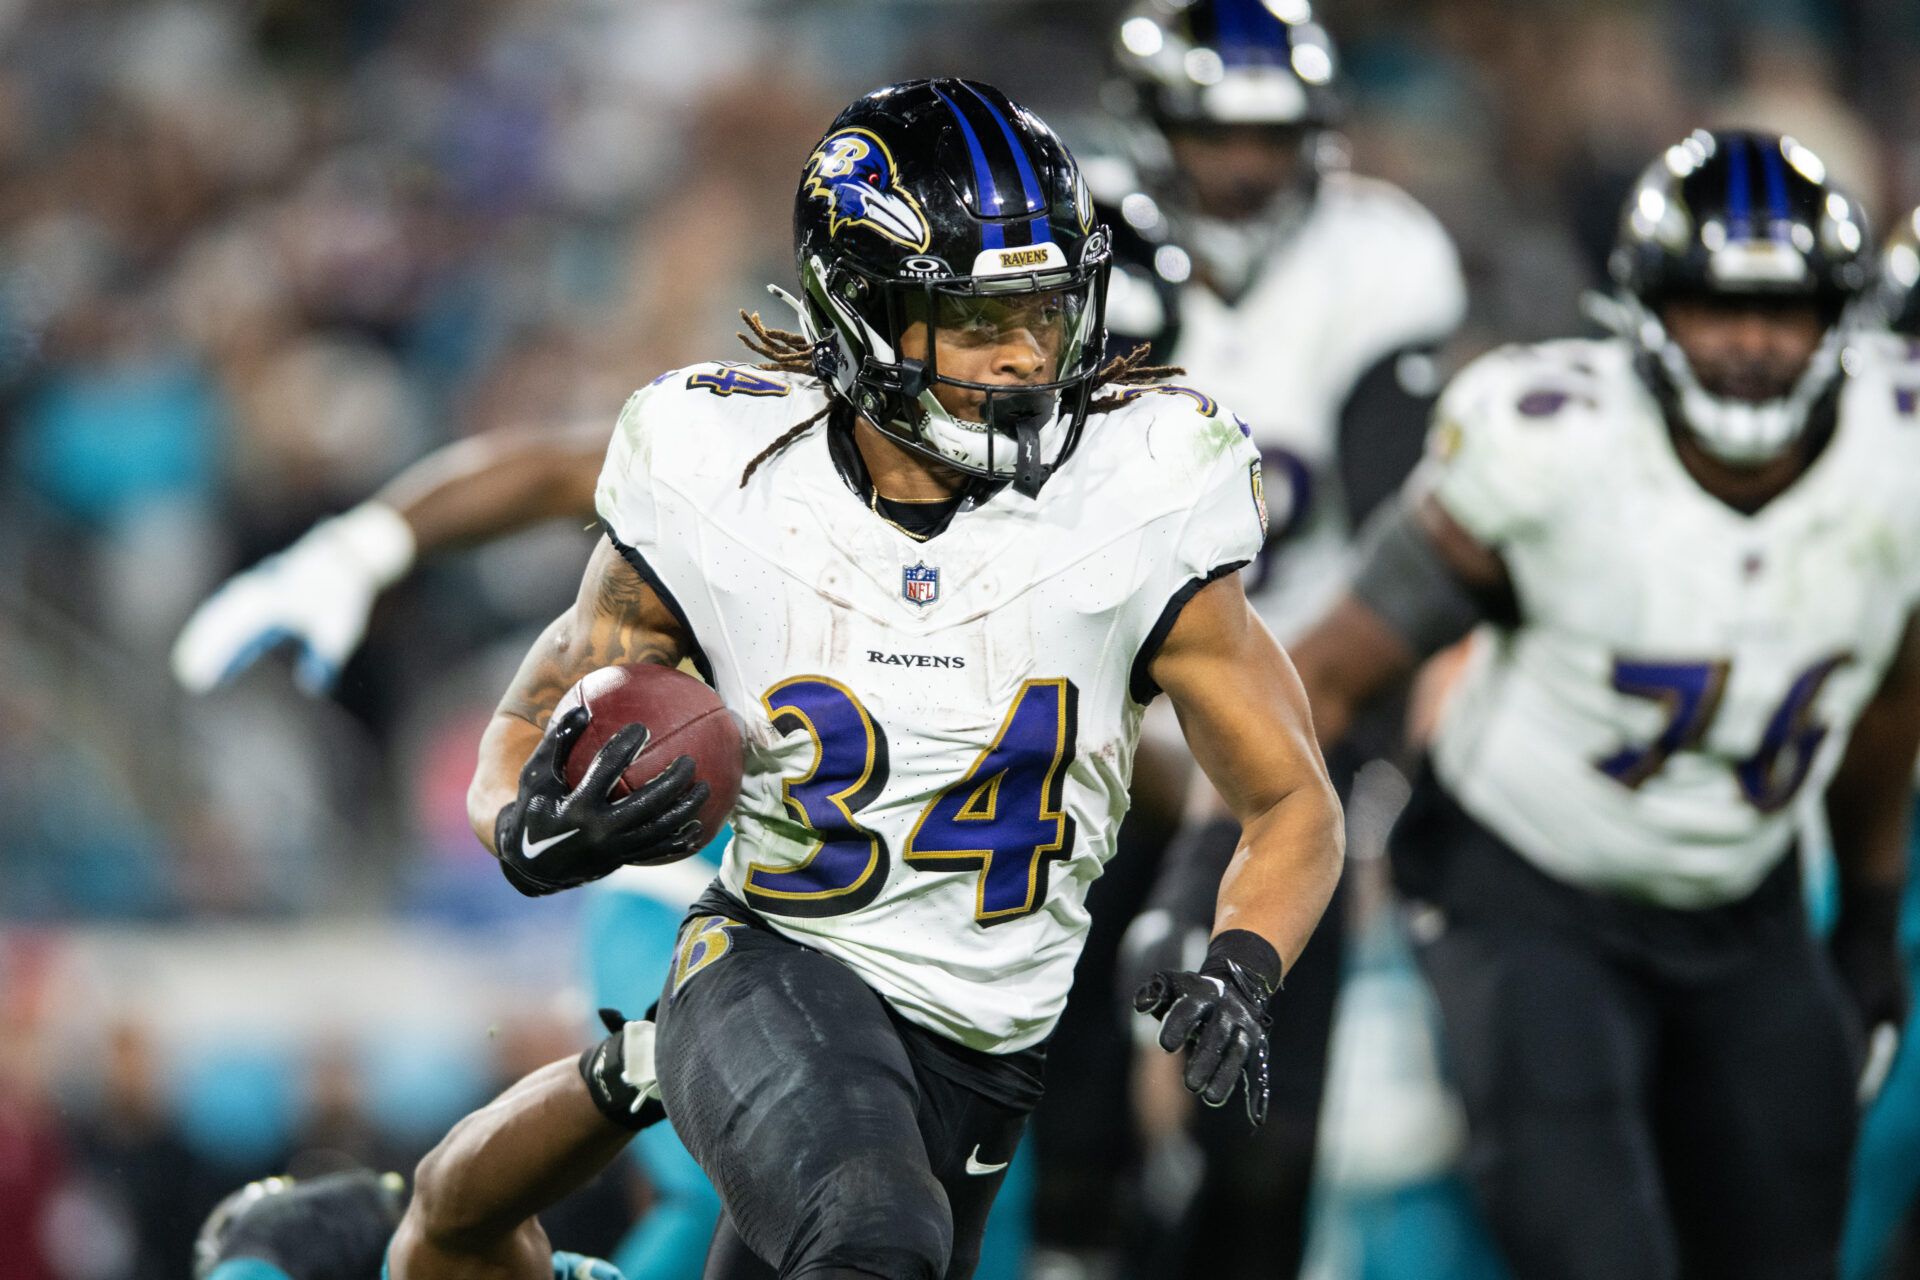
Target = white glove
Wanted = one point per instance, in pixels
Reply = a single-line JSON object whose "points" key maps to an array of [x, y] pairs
{"points": [[315, 595]]}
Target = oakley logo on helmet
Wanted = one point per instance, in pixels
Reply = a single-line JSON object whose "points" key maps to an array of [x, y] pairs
{"points": [[854, 173], [925, 266]]}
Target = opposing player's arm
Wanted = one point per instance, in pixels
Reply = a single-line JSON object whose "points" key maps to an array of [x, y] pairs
{"points": [[1245, 716], [615, 618], [496, 483], [319, 592], [1869, 804], [1423, 582], [476, 1193]]}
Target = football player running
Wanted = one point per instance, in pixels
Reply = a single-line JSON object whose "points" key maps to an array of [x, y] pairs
{"points": [[1313, 299], [1689, 556], [938, 558]]}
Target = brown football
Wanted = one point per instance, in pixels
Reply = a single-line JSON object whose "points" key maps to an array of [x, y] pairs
{"points": [[684, 718]]}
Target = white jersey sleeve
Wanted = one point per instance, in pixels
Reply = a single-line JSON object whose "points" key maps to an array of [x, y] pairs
{"points": [[1397, 281], [1207, 456], [1228, 521], [624, 497], [1496, 454]]}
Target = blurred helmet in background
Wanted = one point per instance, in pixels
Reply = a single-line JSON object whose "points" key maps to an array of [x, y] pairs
{"points": [[1228, 62], [1897, 290], [1241, 93], [942, 202], [335, 1227], [1735, 217]]}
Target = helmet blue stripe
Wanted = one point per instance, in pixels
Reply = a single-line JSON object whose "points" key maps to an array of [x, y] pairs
{"points": [[1036, 198], [992, 234], [1248, 32], [1779, 212], [1739, 192]]}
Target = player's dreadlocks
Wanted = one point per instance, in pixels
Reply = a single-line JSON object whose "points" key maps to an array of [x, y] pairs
{"points": [[780, 351], [783, 351]]}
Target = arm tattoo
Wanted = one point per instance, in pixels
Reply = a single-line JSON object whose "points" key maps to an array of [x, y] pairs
{"points": [[617, 620]]}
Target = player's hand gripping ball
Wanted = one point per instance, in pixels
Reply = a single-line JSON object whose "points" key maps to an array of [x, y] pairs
{"points": [[640, 765]]}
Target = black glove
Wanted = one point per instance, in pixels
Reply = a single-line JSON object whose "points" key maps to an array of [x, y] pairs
{"points": [[1866, 951], [551, 838], [1220, 1014], [1156, 941], [604, 1068]]}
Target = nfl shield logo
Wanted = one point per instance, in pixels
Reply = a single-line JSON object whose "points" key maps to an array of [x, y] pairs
{"points": [[920, 584]]}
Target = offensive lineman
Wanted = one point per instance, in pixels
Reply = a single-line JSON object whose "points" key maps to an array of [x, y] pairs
{"points": [[1690, 556], [892, 553]]}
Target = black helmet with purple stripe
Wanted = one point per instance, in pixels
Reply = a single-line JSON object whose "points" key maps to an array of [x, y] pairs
{"points": [[1229, 62], [1734, 217], [925, 202]]}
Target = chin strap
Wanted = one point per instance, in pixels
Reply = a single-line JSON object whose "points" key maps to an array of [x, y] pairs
{"points": [[800, 315], [1021, 414], [1736, 432]]}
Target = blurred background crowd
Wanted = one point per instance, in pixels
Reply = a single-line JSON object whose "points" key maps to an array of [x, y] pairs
{"points": [[256, 256]]}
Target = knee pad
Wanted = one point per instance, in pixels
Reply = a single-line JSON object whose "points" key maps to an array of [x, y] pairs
{"points": [[878, 1216]]}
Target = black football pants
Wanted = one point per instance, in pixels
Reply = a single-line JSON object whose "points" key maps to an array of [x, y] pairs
{"points": [[837, 1144], [1650, 1094]]}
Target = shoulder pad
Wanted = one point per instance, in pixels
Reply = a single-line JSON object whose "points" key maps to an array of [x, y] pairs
{"points": [[1167, 436], [1399, 269], [1511, 429], [712, 416], [1882, 390]]}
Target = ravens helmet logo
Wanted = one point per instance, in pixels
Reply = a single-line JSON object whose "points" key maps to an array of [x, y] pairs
{"points": [[854, 173]]}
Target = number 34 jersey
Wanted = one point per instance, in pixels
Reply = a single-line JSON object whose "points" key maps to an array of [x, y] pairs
{"points": [[1681, 671], [939, 734]]}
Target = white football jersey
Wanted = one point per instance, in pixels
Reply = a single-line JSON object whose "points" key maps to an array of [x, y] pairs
{"points": [[1681, 671], [1368, 273], [939, 734]]}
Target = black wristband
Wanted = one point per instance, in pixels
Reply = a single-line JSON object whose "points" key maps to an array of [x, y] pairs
{"points": [[603, 1067], [1244, 954]]}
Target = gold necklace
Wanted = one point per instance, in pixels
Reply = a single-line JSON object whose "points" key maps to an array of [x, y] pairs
{"points": [[873, 504]]}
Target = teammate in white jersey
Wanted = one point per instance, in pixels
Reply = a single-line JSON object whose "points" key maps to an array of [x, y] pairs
{"points": [[1690, 557], [939, 613], [1313, 300]]}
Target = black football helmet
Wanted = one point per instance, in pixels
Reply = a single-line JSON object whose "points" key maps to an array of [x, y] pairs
{"points": [[334, 1227], [1215, 62], [1732, 214], [941, 202], [1201, 66], [1897, 291]]}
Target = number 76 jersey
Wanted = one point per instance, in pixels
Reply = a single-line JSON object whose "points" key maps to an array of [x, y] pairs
{"points": [[940, 733], [1682, 672]]}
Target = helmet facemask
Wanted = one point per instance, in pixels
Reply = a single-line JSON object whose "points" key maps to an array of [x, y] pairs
{"points": [[1738, 219], [1738, 432], [864, 325]]}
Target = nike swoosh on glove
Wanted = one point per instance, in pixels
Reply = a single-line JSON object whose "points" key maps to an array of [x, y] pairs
{"points": [[552, 838]]}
